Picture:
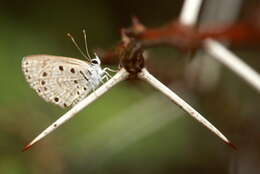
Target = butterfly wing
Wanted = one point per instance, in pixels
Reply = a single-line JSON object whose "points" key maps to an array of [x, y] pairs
{"points": [[61, 80]]}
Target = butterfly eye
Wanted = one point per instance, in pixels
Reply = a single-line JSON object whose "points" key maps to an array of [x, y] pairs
{"points": [[94, 61]]}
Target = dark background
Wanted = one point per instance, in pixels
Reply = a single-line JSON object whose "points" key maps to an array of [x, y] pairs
{"points": [[132, 128]]}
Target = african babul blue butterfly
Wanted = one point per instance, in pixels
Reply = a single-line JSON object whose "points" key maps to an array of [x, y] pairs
{"points": [[61, 80]]}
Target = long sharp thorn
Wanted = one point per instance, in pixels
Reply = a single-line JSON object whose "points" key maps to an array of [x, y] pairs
{"points": [[145, 75], [118, 77]]}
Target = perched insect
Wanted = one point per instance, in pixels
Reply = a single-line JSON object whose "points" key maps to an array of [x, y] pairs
{"points": [[62, 80]]}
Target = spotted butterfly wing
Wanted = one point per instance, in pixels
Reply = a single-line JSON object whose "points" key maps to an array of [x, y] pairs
{"points": [[61, 80]]}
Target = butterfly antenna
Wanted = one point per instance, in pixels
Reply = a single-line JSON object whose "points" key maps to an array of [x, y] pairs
{"points": [[75, 43], [86, 43]]}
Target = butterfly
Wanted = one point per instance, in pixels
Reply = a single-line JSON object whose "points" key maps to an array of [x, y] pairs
{"points": [[61, 80]]}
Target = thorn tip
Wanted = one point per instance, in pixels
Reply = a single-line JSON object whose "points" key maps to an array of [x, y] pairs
{"points": [[232, 145], [27, 147]]}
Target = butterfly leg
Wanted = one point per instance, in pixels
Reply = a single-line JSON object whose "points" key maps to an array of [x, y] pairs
{"points": [[102, 79], [109, 69], [106, 77], [106, 73]]}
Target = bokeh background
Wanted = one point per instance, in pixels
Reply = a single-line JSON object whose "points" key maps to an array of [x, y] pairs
{"points": [[132, 128]]}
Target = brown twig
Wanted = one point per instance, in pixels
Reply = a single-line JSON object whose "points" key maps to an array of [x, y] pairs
{"points": [[184, 38]]}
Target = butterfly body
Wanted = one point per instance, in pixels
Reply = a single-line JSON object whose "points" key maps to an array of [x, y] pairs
{"points": [[61, 80]]}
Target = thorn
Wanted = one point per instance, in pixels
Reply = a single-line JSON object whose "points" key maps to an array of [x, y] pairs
{"points": [[138, 27], [27, 147], [124, 37], [135, 21], [118, 77], [232, 145]]}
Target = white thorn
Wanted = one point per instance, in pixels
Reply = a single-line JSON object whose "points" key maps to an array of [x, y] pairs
{"points": [[118, 77], [190, 12], [145, 75], [234, 63]]}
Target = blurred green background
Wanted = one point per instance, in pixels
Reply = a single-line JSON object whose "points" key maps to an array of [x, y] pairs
{"points": [[132, 128]]}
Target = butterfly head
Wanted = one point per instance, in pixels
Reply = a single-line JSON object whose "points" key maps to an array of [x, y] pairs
{"points": [[96, 65], [95, 61]]}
